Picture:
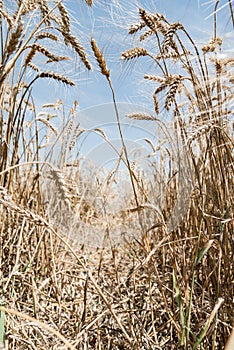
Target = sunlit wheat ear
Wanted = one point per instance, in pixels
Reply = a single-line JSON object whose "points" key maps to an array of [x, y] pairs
{"points": [[136, 52], [100, 131], [61, 184], [28, 6], [173, 88], [100, 59], [34, 67], [168, 40], [155, 78], [14, 39], [71, 40], [146, 35], [64, 16], [154, 22], [156, 104], [175, 55], [69, 127], [56, 76], [45, 52], [7, 201], [47, 35], [49, 125], [77, 132], [30, 55], [136, 27], [7, 18], [141, 116], [58, 59], [212, 45], [50, 105], [198, 132], [43, 5], [89, 2]]}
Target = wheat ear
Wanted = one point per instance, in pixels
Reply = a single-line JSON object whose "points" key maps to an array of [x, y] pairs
{"points": [[100, 59]]}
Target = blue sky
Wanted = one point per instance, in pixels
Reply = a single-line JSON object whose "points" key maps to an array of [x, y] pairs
{"points": [[108, 21]]}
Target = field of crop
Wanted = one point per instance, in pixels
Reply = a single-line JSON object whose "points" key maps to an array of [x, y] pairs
{"points": [[93, 260]]}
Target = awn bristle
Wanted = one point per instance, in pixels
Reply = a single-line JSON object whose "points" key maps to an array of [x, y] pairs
{"points": [[100, 59]]}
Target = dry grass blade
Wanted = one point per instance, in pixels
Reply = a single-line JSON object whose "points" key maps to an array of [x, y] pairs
{"points": [[38, 323]]}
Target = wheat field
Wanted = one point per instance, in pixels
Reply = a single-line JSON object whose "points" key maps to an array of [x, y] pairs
{"points": [[167, 282]]}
